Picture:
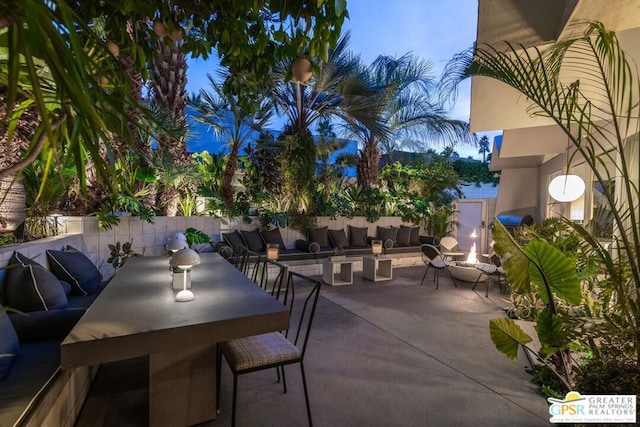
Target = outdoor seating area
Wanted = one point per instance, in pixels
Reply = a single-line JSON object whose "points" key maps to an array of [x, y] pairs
{"points": [[298, 213], [387, 353]]}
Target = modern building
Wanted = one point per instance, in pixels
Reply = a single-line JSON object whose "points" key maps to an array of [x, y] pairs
{"points": [[534, 150]]}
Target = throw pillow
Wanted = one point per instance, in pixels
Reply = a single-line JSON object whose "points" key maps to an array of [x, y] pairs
{"points": [[9, 344], [387, 233], [31, 287], [273, 236], [414, 239], [76, 269], [253, 240], [338, 238], [320, 235], [403, 238], [358, 236], [235, 240]]}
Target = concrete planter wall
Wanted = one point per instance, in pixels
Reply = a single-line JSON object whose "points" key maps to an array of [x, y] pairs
{"points": [[150, 239]]}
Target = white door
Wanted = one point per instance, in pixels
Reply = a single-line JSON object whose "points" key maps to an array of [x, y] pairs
{"points": [[470, 219]]}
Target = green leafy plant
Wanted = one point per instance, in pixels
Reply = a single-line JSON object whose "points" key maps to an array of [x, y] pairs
{"points": [[119, 254], [196, 236]]}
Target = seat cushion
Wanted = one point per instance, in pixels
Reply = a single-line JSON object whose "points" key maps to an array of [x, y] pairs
{"points": [[76, 269], [259, 350], [338, 238], [358, 236], [253, 240], [320, 235], [31, 287], [9, 345], [273, 236]]}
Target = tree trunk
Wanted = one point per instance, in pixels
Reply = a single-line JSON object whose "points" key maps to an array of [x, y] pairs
{"points": [[169, 78], [369, 164], [227, 179], [12, 204]]}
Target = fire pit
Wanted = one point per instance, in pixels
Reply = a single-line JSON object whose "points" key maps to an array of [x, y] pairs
{"points": [[466, 270]]}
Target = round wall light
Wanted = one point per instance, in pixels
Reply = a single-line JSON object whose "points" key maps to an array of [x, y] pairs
{"points": [[566, 188]]}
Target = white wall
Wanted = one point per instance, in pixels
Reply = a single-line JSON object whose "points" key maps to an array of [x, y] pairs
{"points": [[518, 191]]}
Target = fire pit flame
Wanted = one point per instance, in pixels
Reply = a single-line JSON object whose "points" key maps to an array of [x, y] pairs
{"points": [[471, 258]]}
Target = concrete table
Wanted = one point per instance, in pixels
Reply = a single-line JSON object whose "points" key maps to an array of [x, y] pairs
{"points": [[377, 268], [338, 271], [136, 315]]}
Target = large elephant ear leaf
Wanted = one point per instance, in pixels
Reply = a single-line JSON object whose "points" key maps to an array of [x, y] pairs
{"points": [[507, 336], [550, 267], [516, 264]]}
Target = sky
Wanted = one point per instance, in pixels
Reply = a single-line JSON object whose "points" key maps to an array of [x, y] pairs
{"points": [[433, 30]]}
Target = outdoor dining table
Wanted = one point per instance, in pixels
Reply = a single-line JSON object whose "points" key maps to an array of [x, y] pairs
{"points": [[137, 315]]}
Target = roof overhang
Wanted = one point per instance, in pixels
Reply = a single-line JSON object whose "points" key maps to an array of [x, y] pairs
{"points": [[496, 106]]}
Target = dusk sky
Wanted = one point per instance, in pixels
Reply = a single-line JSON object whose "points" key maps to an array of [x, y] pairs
{"points": [[433, 30]]}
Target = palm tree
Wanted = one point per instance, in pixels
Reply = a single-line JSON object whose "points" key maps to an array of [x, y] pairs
{"points": [[168, 87], [341, 91], [411, 111], [484, 148], [223, 112]]}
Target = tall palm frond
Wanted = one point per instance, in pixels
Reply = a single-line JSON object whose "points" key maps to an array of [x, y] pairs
{"points": [[412, 111], [339, 89], [588, 87]]}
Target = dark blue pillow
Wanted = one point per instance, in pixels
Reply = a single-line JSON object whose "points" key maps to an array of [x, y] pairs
{"points": [[76, 269], [273, 236], [9, 344], [320, 235], [235, 240], [31, 287], [358, 236], [253, 240]]}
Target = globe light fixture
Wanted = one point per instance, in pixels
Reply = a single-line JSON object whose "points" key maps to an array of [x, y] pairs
{"points": [[566, 188], [185, 259]]}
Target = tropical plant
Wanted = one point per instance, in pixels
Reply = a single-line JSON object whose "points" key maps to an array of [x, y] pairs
{"points": [[410, 110], [339, 90], [597, 109], [195, 236], [120, 253], [73, 67], [224, 113]]}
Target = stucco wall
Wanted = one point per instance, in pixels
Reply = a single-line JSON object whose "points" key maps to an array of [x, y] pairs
{"points": [[518, 192]]}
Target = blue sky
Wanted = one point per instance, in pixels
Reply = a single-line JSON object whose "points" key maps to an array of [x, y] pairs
{"points": [[433, 30]]}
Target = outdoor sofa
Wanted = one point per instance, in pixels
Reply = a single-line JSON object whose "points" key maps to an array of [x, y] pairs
{"points": [[45, 304], [322, 242]]}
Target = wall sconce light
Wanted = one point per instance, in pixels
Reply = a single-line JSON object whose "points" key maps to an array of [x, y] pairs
{"points": [[376, 247], [566, 188], [272, 251], [184, 259]]}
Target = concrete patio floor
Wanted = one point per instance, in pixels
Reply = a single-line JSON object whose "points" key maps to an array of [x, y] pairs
{"points": [[380, 354]]}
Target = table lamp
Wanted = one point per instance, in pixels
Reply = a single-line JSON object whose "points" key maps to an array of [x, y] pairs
{"points": [[184, 259], [272, 251], [376, 247]]}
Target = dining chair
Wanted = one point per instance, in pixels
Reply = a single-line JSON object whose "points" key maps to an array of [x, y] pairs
{"points": [[275, 349], [433, 258], [276, 286]]}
